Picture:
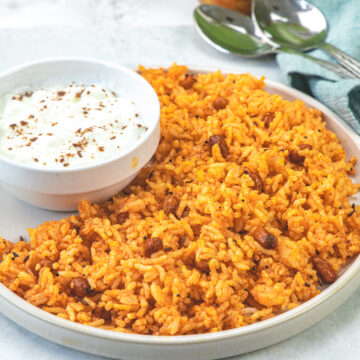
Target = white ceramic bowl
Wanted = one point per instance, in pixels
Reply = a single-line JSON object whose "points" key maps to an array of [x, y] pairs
{"points": [[204, 346], [61, 189]]}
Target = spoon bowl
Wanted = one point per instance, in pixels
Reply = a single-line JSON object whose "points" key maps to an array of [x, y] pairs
{"points": [[230, 31], [294, 24], [299, 26]]}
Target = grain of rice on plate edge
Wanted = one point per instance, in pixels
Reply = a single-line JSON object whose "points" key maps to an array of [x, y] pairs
{"points": [[242, 214]]}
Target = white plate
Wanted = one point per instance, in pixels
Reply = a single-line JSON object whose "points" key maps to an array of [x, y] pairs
{"points": [[16, 216]]}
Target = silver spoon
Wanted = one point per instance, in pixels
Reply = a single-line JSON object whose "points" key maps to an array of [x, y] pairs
{"points": [[298, 25], [231, 32]]}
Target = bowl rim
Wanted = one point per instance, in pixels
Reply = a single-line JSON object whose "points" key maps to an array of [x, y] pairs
{"points": [[98, 62], [277, 320]]}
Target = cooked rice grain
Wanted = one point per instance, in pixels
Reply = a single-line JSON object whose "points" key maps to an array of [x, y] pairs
{"points": [[207, 271]]}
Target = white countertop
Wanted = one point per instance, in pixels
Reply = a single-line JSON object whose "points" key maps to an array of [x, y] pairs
{"points": [[132, 32]]}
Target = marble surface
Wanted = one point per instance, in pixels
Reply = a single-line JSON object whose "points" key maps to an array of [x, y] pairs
{"points": [[109, 14], [150, 46], [153, 33]]}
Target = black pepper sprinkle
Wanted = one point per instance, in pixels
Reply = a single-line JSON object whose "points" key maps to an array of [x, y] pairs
{"points": [[144, 237], [21, 238], [352, 211], [242, 200], [307, 284], [151, 174], [254, 268], [177, 295], [317, 252], [12, 258], [243, 232], [15, 254], [57, 274], [266, 266], [168, 249], [26, 258], [217, 305]]}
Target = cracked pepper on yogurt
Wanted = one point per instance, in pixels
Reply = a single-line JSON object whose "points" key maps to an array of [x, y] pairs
{"points": [[67, 127]]}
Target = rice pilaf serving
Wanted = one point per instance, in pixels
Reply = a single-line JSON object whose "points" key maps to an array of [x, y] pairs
{"points": [[241, 215]]}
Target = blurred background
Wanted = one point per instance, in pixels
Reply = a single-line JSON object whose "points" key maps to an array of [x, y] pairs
{"points": [[132, 32], [102, 14], [105, 14]]}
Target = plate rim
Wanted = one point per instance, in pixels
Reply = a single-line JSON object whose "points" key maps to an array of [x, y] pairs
{"points": [[15, 300]]}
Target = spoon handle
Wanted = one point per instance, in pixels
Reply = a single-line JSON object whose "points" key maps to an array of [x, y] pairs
{"points": [[335, 68], [349, 62]]}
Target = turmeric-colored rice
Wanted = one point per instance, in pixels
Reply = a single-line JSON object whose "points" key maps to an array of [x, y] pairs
{"points": [[204, 207]]}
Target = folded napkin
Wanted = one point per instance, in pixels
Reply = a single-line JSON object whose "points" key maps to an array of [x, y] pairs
{"points": [[340, 95]]}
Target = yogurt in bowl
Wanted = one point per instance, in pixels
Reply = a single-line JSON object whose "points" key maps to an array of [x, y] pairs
{"points": [[68, 126], [73, 129]]}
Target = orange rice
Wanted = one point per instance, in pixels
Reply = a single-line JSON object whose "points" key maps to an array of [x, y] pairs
{"points": [[210, 273]]}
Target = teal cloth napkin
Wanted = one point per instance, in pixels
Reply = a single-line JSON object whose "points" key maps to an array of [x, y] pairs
{"points": [[340, 95]]}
